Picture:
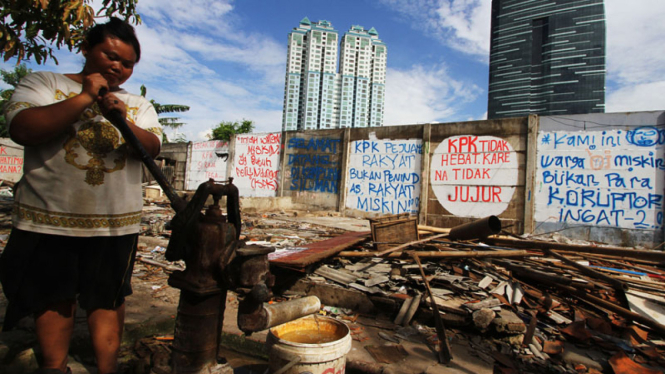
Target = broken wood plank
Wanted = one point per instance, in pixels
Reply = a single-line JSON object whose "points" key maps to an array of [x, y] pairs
{"points": [[617, 284], [612, 307], [446, 254], [540, 276]]}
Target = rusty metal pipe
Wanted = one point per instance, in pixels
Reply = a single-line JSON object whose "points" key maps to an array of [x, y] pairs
{"points": [[287, 311], [479, 229]]}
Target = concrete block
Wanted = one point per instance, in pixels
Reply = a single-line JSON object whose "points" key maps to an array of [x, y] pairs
{"points": [[483, 317], [509, 323]]}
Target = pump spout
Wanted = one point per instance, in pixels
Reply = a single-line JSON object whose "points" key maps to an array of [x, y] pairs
{"points": [[265, 316]]}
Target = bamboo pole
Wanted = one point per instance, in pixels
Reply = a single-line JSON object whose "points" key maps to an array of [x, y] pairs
{"points": [[406, 245], [612, 251], [433, 229], [445, 254]]}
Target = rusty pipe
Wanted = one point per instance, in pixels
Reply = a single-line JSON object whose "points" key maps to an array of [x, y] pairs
{"points": [[479, 229], [270, 315], [198, 327]]}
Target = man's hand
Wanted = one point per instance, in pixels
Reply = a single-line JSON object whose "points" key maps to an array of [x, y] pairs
{"points": [[92, 85], [109, 102]]}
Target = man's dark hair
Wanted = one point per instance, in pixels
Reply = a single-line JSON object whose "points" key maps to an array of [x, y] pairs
{"points": [[116, 28]]}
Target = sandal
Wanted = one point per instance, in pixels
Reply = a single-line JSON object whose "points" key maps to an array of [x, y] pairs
{"points": [[53, 371]]}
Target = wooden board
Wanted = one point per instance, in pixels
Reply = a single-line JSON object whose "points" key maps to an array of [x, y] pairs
{"points": [[391, 231]]}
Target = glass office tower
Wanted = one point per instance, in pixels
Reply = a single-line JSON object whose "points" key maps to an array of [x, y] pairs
{"points": [[547, 57]]}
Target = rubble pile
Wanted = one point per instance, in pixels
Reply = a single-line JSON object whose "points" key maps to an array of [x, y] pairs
{"points": [[517, 304], [521, 305]]}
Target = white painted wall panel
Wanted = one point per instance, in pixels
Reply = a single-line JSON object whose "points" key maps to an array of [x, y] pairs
{"points": [[384, 176], [256, 164]]}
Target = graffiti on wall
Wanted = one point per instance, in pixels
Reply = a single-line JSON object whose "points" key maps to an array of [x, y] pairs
{"points": [[313, 166], [256, 164], [384, 176], [11, 161], [601, 178], [208, 160], [474, 176]]}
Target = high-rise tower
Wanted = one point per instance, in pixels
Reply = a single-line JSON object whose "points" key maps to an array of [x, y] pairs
{"points": [[316, 95], [362, 69], [547, 57], [310, 76]]}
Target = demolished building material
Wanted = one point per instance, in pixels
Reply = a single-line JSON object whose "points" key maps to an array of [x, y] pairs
{"points": [[525, 298]]}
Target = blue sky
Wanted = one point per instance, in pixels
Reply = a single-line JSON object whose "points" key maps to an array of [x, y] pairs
{"points": [[226, 59]]}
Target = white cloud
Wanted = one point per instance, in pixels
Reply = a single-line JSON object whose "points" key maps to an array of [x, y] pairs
{"points": [[421, 95], [460, 24], [635, 61], [637, 97], [186, 14], [192, 49]]}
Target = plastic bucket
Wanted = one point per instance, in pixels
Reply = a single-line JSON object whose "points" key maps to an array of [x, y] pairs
{"points": [[312, 344]]}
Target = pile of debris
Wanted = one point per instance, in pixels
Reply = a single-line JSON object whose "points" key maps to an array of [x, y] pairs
{"points": [[524, 305]]}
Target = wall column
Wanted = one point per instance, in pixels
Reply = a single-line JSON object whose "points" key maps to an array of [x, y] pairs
{"points": [[284, 139], [343, 168], [531, 169], [424, 174]]}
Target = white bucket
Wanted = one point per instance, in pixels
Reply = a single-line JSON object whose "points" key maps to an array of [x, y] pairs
{"points": [[312, 344]]}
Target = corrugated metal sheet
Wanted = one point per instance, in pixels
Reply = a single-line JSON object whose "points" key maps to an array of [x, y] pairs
{"points": [[320, 250]]}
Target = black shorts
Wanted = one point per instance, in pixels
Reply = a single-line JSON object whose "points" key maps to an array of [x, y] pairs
{"points": [[40, 270]]}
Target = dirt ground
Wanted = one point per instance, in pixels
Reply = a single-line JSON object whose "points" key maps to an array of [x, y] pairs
{"points": [[151, 310]]}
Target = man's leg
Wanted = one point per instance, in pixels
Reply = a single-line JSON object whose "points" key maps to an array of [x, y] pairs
{"points": [[54, 331], [106, 332]]}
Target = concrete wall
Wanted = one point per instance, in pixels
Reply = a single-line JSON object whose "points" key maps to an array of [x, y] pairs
{"points": [[205, 160], [255, 167], [594, 177], [311, 168], [601, 177], [476, 169]]}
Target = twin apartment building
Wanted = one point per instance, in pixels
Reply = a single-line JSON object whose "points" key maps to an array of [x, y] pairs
{"points": [[318, 94]]}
